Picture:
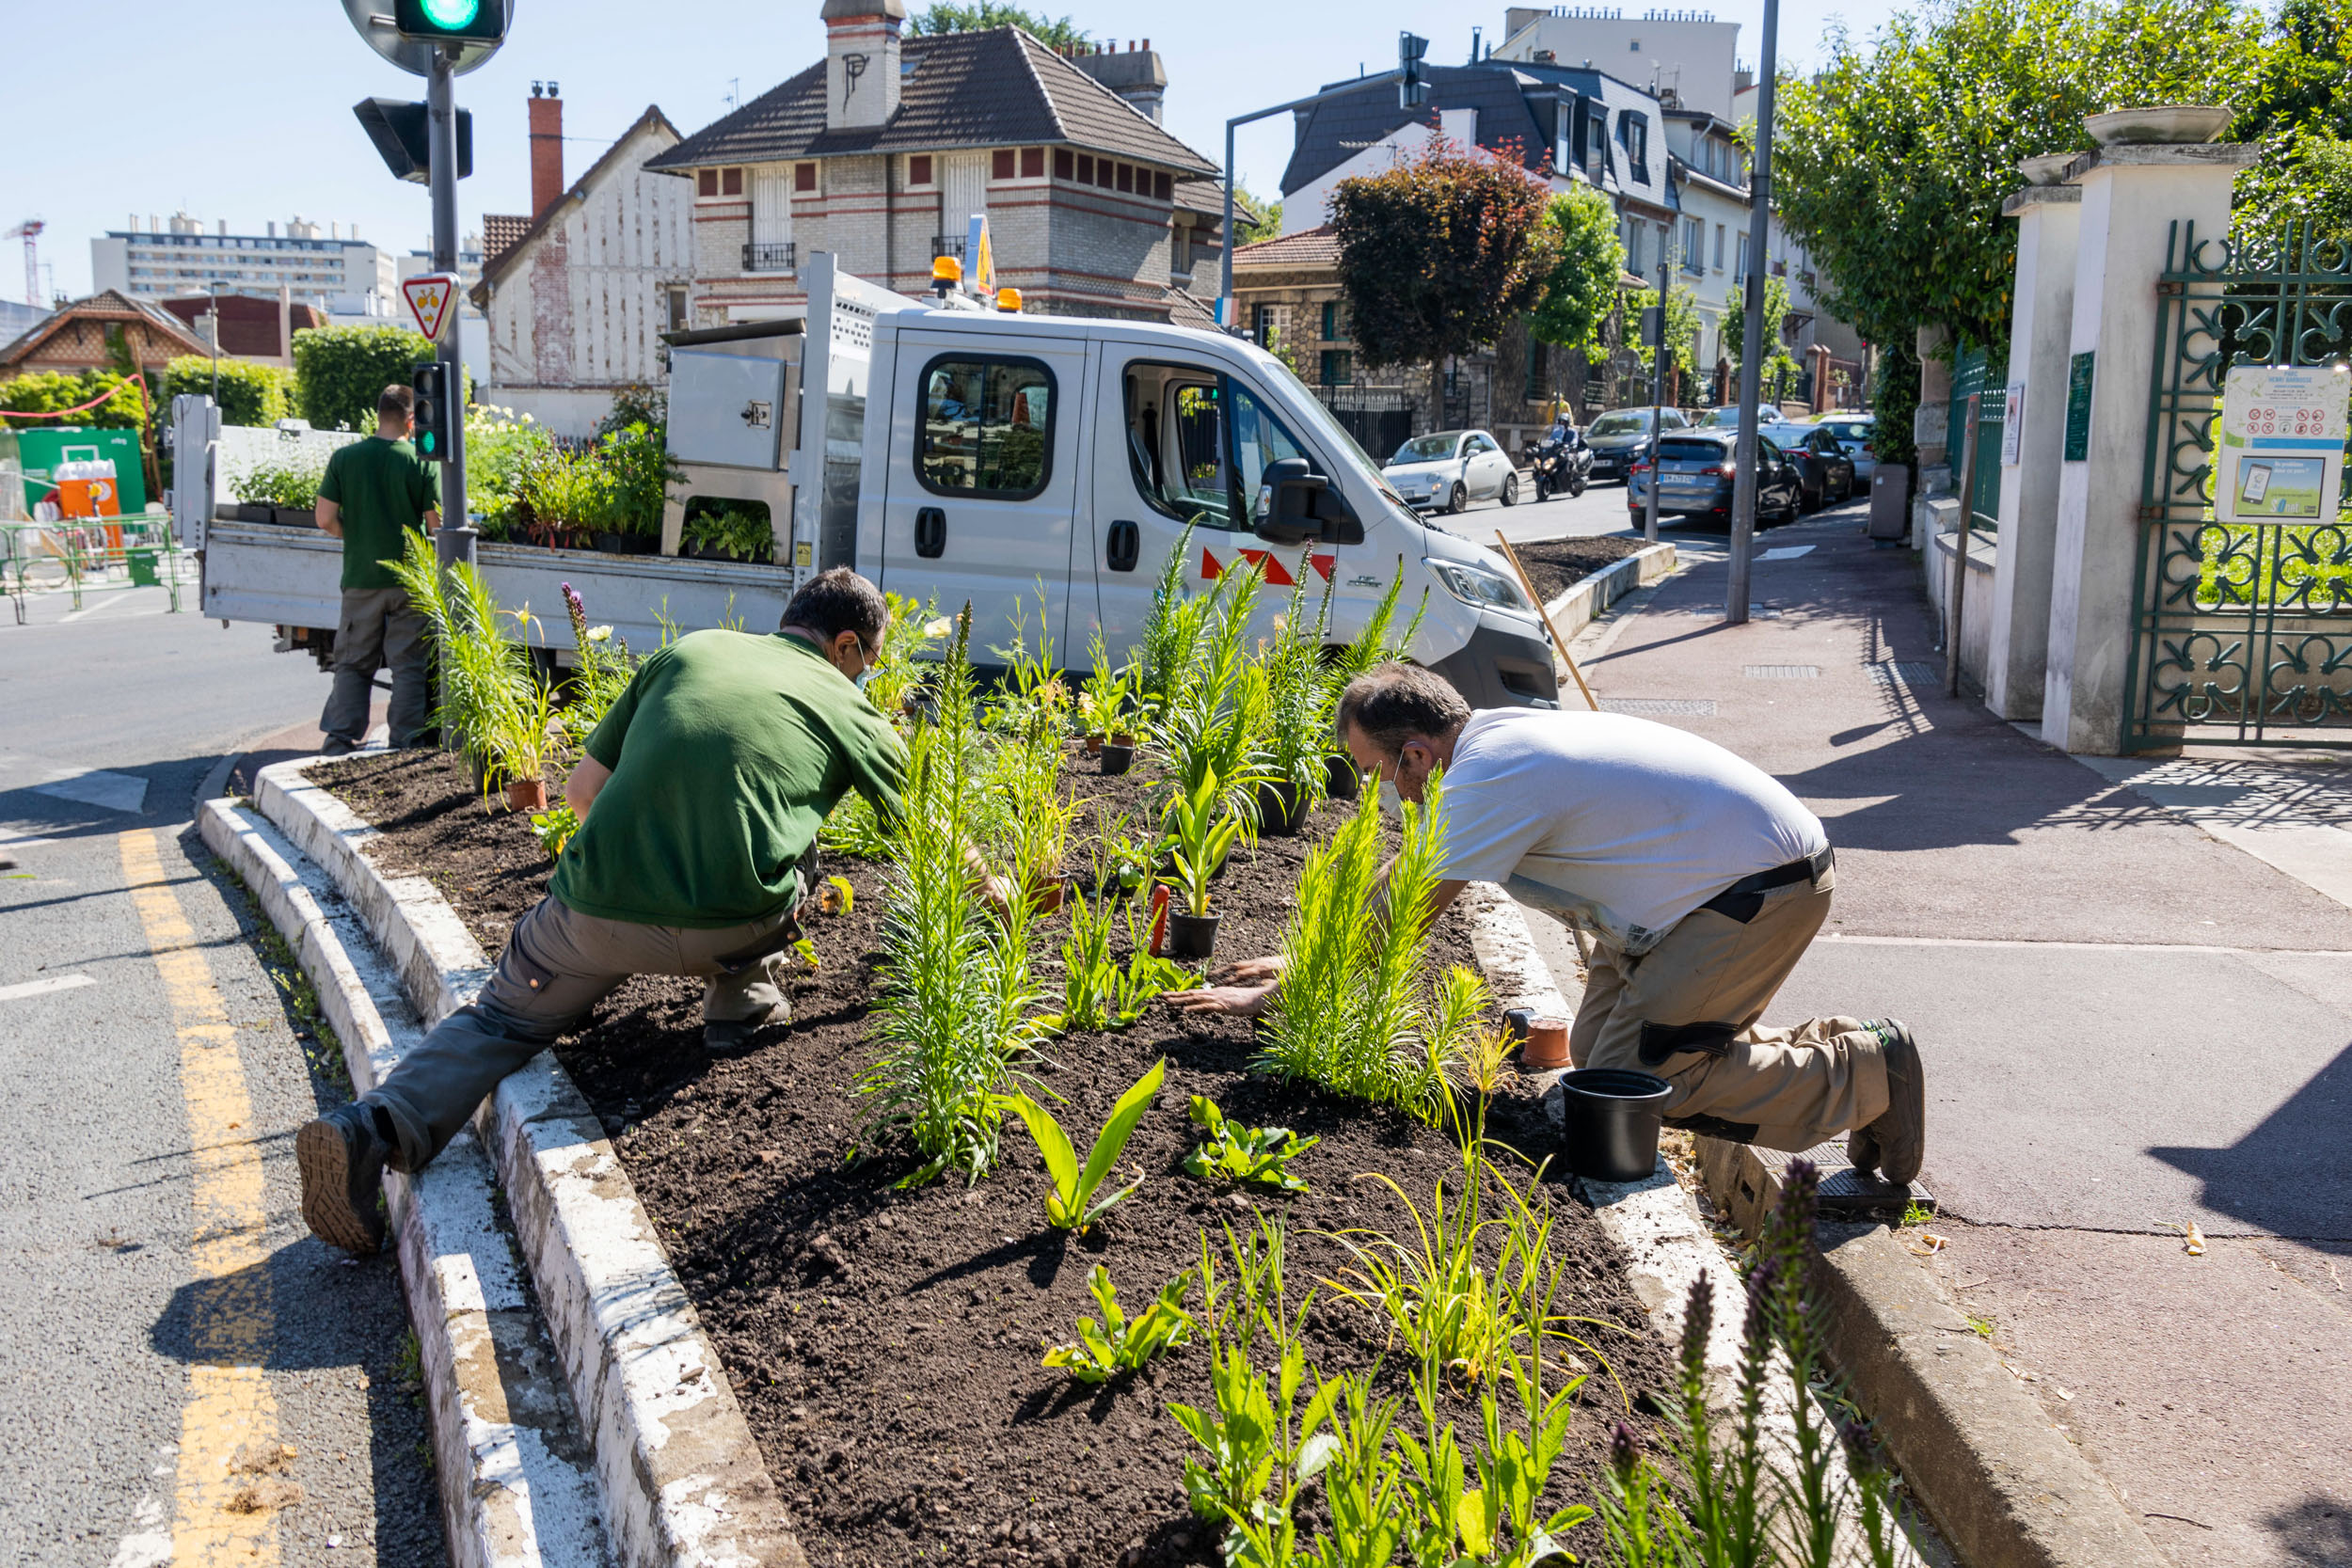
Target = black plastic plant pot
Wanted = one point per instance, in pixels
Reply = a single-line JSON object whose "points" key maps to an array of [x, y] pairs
{"points": [[1282, 808], [1118, 759], [1343, 782], [1194, 936], [1611, 1119]]}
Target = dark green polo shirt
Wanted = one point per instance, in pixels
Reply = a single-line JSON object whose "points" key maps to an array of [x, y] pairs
{"points": [[727, 751], [384, 489]]}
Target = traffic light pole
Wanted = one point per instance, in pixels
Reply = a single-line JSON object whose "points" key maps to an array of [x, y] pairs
{"points": [[457, 537], [1751, 342], [1656, 403]]}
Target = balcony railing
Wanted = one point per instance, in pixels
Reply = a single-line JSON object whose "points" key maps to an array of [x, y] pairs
{"points": [[769, 255], [947, 244]]}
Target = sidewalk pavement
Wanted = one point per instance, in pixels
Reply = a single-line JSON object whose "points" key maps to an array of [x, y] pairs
{"points": [[2133, 985]]}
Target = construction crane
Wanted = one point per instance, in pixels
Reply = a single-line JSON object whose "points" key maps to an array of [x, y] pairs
{"points": [[30, 228]]}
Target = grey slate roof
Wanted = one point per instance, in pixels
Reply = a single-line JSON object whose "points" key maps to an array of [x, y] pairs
{"points": [[1000, 88]]}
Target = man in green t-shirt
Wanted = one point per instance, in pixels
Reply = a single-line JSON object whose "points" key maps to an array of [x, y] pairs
{"points": [[699, 801], [374, 492]]}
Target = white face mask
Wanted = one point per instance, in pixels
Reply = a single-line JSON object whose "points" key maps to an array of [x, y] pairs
{"points": [[1391, 802]]}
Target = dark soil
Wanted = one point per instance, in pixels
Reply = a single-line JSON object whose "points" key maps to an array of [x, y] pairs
{"points": [[1558, 563], [885, 1344]]}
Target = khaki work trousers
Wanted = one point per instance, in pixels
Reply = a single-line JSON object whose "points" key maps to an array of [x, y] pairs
{"points": [[1686, 1011], [558, 965], [380, 628]]}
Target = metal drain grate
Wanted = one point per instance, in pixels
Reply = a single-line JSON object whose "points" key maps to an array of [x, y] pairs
{"points": [[1660, 707], [1845, 1191], [1783, 671], [1910, 672]]}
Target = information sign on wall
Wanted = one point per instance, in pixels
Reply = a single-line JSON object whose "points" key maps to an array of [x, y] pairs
{"points": [[2012, 424], [2078, 408], [2281, 458]]}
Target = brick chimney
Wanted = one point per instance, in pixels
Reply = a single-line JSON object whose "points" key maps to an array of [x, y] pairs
{"points": [[862, 62], [547, 147], [1135, 74]]}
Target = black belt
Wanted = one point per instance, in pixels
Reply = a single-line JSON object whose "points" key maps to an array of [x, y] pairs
{"points": [[1743, 899]]}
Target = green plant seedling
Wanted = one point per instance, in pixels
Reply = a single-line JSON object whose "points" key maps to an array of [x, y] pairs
{"points": [[1203, 826], [835, 896], [1116, 1345], [1073, 1205], [1248, 1155], [554, 829], [806, 951]]}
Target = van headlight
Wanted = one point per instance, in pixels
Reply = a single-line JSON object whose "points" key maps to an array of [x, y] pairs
{"points": [[1478, 588]]}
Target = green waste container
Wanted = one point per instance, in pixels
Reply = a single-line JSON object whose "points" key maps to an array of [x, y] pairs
{"points": [[40, 452], [142, 563]]}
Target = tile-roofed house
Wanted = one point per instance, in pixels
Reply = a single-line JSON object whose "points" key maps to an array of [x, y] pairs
{"points": [[882, 152], [500, 234], [81, 337], [577, 301]]}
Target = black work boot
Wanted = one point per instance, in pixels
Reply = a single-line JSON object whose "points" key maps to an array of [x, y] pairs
{"points": [[338, 746], [1896, 1144], [342, 1161]]}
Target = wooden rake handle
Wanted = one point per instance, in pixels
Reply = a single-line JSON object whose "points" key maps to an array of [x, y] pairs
{"points": [[1528, 585]]}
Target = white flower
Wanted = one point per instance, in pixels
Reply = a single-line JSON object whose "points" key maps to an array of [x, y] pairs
{"points": [[599, 634]]}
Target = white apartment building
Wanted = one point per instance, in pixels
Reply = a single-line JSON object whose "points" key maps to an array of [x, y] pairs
{"points": [[1686, 52], [340, 275]]}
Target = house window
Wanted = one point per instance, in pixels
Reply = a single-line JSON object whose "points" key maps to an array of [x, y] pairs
{"points": [[706, 181], [1637, 144], [986, 427], [1033, 163], [803, 176], [1334, 321], [1064, 166], [1261, 324], [676, 305], [1001, 163], [1742, 268], [1339, 367], [1719, 247], [1127, 177], [1163, 187], [1103, 174], [1086, 169], [1633, 247], [919, 170], [1693, 246], [730, 181]]}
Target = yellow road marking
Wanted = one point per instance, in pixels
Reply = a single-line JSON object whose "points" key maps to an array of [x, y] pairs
{"points": [[228, 1499]]}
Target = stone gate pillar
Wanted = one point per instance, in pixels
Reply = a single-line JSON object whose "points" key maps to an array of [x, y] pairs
{"points": [[2150, 171], [2041, 324]]}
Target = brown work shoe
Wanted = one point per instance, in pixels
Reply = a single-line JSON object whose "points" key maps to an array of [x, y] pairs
{"points": [[1896, 1144], [342, 1160]]}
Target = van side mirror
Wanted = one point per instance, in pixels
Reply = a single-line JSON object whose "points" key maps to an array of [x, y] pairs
{"points": [[1299, 505]]}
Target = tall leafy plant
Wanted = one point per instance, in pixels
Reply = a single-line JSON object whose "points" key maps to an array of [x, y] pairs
{"points": [[492, 700]]}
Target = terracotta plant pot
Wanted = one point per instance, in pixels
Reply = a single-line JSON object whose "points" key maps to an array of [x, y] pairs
{"points": [[527, 795], [1282, 808], [1547, 1046], [1191, 936], [1343, 784], [1045, 894], [1095, 745], [1118, 758]]}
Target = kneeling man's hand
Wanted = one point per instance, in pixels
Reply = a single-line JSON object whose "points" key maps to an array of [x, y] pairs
{"points": [[1249, 972], [1237, 1001]]}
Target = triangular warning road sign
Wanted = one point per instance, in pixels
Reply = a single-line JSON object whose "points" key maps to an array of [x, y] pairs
{"points": [[432, 298]]}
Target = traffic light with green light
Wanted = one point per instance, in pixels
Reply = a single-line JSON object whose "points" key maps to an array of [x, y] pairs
{"points": [[429, 381], [450, 20]]}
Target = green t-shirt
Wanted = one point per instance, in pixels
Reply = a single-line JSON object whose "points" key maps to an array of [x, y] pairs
{"points": [[728, 751], [383, 488]]}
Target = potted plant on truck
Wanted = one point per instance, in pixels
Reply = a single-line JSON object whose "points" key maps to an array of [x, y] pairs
{"points": [[1202, 827]]}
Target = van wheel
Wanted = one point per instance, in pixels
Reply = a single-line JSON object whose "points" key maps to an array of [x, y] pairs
{"points": [[1511, 491], [1459, 500]]}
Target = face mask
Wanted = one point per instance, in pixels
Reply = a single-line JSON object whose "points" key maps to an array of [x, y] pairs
{"points": [[863, 677], [1391, 802]]}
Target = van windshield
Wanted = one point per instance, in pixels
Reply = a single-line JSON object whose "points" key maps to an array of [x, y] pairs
{"points": [[1334, 437]]}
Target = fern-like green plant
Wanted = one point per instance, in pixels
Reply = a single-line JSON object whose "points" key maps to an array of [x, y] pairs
{"points": [[490, 694]]}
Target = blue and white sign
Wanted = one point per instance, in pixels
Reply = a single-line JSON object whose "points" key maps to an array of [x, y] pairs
{"points": [[2280, 457]]}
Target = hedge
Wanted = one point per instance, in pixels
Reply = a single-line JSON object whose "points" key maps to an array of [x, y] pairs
{"points": [[250, 394], [341, 371], [52, 391]]}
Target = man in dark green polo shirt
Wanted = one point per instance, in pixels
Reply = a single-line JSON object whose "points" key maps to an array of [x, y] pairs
{"points": [[374, 492], [699, 801]]}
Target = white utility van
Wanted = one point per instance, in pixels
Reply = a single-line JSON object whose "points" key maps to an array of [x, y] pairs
{"points": [[955, 453]]}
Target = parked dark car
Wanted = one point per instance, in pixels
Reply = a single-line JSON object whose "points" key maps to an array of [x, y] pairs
{"points": [[1621, 434], [1822, 462], [1698, 480]]}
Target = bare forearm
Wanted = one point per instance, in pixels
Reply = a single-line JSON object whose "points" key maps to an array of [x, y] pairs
{"points": [[586, 781]]}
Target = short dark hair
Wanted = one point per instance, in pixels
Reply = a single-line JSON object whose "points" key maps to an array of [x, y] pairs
{"points": [[1394, 702], [839, 600], [396, 402]]}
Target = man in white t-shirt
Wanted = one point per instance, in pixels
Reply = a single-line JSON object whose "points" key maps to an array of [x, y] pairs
{"points": [[1702, 880]]}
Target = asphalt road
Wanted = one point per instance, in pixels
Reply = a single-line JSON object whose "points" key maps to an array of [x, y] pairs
{"points": [[189, 1378]]}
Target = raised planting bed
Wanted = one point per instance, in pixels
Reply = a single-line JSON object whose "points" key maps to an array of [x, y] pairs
{"points": [[885, 1344], [1556, 564]]}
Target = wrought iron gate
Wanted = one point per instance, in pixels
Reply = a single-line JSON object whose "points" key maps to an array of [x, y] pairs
{"points": [[2243, 635]]}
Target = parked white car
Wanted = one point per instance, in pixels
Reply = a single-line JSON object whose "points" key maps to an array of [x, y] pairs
{"points": [[1448, 470], [1853, 434]]}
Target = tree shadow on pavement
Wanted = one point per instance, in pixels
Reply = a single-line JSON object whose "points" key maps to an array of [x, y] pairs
{"points": [[2317, 1531], [2289, 1177]]}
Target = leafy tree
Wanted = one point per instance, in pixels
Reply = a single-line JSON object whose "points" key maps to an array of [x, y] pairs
{"points": [[55, 391], [1891, 162], [2301, 111], [949, 16], [1779, 363], [1254, 216], [1682, 331], [1440, 252], [341, 371], [1897, 399], [250, 394], [1580, 290]]}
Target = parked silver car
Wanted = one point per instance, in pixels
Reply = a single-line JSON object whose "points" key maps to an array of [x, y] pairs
{"points": [[1448, 470], [1853, 434]]}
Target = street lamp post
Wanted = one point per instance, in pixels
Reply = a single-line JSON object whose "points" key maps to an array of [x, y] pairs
{"points": [[1752, 329], [1657, 398]]}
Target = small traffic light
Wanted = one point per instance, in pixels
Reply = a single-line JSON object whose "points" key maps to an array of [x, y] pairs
{"points": [[1411, 91], [402, 134], [450, 20], [430, 382]]}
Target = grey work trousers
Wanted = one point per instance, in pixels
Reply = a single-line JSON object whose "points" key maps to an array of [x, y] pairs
{"points": [[558, 965], [379, 629]]}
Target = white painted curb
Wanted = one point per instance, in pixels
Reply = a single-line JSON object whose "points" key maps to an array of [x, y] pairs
{"points": [[1586, 597], [683, 1483], [517, 1490]]}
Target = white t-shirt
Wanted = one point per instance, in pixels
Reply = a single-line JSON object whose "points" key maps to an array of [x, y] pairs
{"points": [[1625, 824]]}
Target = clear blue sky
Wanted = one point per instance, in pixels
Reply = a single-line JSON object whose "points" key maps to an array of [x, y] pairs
{"points": [[243, 112]]}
